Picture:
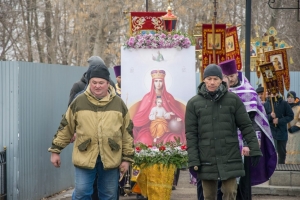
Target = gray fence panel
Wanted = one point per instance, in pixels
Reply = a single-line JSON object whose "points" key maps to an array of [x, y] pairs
{"points": [[33, 98], [44, 94], [9, 98]]}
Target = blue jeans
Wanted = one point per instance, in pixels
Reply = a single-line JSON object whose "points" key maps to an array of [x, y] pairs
{"points": [[107, 182]]}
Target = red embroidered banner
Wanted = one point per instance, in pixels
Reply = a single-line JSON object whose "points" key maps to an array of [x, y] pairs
{"points": [[146, 22], [207, 51], [232, 46]]}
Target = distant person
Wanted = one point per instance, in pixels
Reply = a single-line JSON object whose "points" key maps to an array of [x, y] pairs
{"points": [[117, 70], [279, 119], [293, 143], [260, 92], [104, 145]]}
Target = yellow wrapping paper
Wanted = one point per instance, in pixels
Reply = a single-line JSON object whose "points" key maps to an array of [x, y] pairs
{"points": [[156, 181]]}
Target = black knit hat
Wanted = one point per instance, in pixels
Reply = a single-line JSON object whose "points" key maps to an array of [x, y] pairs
{"points": [[98, 72], [213, 70], [291, 94], [260, 89]]}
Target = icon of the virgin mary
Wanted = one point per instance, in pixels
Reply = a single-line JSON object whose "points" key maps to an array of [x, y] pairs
{"points": [[147, 126]]}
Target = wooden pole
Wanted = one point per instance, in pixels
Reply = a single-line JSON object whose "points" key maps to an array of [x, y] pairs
{"points": [[213, 32]]}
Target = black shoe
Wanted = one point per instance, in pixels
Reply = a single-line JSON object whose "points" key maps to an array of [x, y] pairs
{"points": [[173, 187]]}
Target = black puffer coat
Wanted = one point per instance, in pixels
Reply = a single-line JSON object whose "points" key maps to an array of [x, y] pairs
{"points": [[211, 133]]}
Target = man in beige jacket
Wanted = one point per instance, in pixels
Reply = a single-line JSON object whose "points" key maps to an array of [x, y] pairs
{"points": [[104, 142]]}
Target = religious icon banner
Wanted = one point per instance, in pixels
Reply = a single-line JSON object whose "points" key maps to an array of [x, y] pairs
{"points": [[232, 46], [219, 46], [146, 22], [268, 73], [156, 85], [279, 59]]}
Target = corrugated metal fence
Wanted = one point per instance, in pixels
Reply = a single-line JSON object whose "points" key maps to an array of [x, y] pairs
{"points": [[33, 98]]}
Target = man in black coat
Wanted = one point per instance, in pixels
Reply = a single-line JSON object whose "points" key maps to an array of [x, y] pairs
{"points": [[211, 121]]}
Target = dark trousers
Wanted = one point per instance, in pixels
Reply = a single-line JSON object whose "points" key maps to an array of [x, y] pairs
{"points": [[281, 150], [244, 187]]}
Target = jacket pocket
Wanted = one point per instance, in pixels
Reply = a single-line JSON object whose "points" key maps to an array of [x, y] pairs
{"points": [[234, 160], [113, 145], [84, 145]]}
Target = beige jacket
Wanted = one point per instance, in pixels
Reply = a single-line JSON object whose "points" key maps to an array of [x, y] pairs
{"points": [[103, 127]]}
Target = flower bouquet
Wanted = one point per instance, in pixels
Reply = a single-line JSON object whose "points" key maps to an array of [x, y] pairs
{"points": [[159, 41], [157, 164]]}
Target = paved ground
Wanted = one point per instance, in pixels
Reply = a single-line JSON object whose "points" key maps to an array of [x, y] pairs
{"points": [[184, 191]]}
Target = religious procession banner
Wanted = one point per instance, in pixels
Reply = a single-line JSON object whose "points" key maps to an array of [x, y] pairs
{"points": [[146, 22], [219, 46], [269, 75], [279, 59], [232, 46], [156, 85]]}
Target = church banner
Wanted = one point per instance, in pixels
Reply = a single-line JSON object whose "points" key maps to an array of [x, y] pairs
{"points": [[279, 59], [207, 51], [156, 85], [146, 22], [270, 78], [232, 47]]}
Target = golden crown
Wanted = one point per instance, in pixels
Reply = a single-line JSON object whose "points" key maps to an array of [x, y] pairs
{"points": [[158, 74]]}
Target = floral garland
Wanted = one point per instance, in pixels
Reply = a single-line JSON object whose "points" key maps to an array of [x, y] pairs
{"points": [[158, 41], [170, 153]]}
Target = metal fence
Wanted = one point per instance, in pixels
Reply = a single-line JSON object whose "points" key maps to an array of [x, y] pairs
{"points": [[3, 175]]}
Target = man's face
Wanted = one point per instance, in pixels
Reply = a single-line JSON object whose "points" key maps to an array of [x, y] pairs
{"points": [[158, 84], [212, 83], [99, 87], [290, 99], [119, 80], [260, 95], [233, 79]]}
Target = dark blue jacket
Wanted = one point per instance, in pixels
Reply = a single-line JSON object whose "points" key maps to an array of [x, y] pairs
{"points": [[284, 113]]}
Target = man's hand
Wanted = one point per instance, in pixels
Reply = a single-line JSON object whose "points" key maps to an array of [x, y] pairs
{"points": [[245, 151], [124, 167], [273, 115], [275, 121], [73, 138], [55, 159]]}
